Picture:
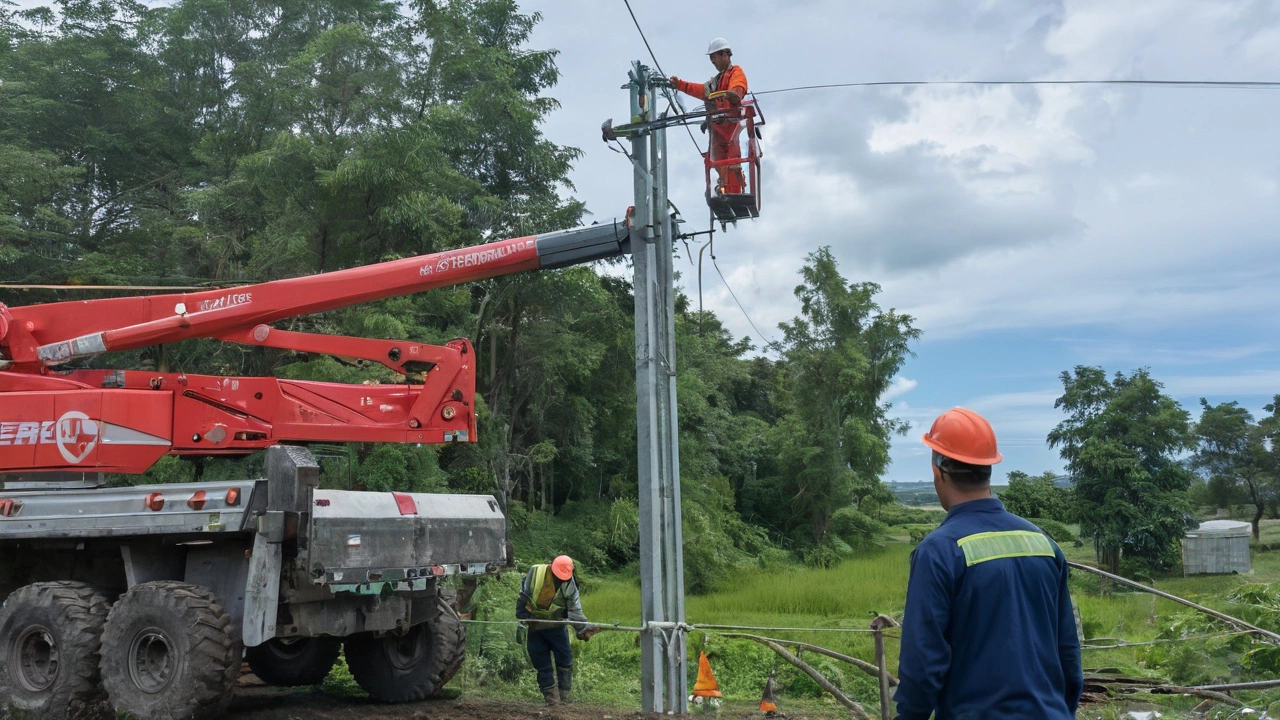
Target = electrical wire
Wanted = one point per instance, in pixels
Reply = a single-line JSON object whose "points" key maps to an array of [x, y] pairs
{"points": [[687, 627], [1201, 84], [769, 344], [1126, 643], [671, 99]]}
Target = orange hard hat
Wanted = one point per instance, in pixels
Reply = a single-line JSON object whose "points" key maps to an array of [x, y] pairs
{"points": [[562, 567], [963, 435]]}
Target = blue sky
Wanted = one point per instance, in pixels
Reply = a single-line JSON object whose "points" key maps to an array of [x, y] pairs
{"points": [[1028, 230]]}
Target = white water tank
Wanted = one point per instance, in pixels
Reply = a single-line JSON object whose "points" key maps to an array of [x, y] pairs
{"points": [[1217, 547]]}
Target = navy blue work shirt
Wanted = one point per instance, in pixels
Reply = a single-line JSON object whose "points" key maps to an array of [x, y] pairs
{"points": [[989, 632]]}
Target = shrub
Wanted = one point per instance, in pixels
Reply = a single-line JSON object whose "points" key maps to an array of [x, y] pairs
{"points": [[855, 528], [903, 515], [1036, 497], [918, 532], [1194, 659], [492, 650], [1060, 533]]}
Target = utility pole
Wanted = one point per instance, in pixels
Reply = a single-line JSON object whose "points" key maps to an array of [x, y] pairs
{"points": [[663, 682]]}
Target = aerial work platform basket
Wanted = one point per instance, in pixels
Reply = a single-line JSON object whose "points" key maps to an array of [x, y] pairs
{"points": [[733, 181]]}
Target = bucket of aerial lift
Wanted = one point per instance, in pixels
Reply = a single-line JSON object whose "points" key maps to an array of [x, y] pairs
{"points": [[733, 201]]}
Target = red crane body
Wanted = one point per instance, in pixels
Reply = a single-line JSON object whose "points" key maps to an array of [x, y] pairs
{"points": [[125, 420]]}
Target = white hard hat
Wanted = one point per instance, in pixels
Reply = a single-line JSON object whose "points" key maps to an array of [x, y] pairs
{"points": [[717, 45]]}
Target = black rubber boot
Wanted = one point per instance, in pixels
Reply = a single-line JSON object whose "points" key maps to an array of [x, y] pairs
{"points": [[552, 696], [565, 676]]}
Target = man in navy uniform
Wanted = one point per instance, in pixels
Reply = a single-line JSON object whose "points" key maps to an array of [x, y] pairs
{"points": [[989, 631]]}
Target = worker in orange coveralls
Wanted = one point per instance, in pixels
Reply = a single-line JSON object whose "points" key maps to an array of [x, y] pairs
{"points": [[723, 93]]}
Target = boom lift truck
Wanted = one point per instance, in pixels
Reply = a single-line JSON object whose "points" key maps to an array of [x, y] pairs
{"points": [[141, 598]]}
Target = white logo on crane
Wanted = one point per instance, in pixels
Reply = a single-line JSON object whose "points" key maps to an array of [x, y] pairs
{"points": [[77, 436], [74, 433]]}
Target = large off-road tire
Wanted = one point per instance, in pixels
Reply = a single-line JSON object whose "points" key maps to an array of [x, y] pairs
{"points": [[411, 666], [451, 625], [49, 638], [290, 662], [169, 652]]}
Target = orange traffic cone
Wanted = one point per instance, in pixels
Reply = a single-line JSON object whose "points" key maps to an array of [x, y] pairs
{"points": [[767, 705], [706, 686]]}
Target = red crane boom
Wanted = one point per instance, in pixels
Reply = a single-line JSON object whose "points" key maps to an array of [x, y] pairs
{"points": [[125, 420]]}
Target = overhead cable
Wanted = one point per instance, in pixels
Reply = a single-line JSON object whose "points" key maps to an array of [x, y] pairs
{"points": [[671, 100], [1203, 84], [769, 344]]}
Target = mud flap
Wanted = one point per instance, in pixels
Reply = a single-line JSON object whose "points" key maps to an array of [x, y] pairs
{"points": [[262, 592]]}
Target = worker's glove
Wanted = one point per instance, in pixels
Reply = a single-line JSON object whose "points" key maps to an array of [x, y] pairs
{"points": [[675, 81], [588, 633]]}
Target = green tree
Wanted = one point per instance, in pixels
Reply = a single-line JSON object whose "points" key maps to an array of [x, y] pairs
{"points": [[1121, 442], [1232, 452], [92, 152], [1036, 497], [841, 355]]}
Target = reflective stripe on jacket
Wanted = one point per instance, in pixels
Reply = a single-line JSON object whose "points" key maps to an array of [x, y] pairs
{"points": [[540, 597]]}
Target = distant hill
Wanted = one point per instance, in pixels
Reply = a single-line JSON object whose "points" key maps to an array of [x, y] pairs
{"points": [[917, 493], [921, 493]]}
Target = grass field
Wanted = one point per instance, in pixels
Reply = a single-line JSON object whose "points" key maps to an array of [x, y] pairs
{"points": [[820, 603]]}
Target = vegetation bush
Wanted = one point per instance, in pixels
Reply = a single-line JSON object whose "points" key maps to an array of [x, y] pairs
{"points": [[918, 532], [492, 650], [1036, 497], [897, 514], [1191, 649], [1060, 533], [856, 529]]}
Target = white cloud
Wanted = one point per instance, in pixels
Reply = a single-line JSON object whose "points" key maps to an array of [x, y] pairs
{"points": [[899, 387], [1095, 225], [1263, 382]]}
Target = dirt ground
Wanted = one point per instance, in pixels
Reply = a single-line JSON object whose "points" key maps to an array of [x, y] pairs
{"points": [[309, 704], [269, 703], [282, 704]]}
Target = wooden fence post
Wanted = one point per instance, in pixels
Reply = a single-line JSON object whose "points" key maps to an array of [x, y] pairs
{"points": [[878, 625]]}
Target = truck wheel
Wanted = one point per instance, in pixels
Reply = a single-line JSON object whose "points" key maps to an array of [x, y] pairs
{"points": [[49, 657], [168, 652], [450, 625], [411, 666], [290, 662]]}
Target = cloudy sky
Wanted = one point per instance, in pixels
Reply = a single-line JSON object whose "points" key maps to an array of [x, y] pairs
{"points": [[1027, 229]]}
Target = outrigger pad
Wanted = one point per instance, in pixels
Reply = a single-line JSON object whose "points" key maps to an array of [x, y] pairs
{"points": [[729, 207]]}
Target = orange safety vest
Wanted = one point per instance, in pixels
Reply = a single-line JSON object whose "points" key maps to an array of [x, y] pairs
{"points": [[733, 79]]}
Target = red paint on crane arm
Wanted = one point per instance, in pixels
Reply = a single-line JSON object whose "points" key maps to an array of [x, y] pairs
{"points": [[132, 322]]}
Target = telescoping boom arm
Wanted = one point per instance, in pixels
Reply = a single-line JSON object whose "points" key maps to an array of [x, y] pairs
{"points": [[124, 420]]}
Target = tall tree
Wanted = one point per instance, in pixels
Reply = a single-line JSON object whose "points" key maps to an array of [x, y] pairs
{"points": [[1232, 451], [92, 154], [1036, 497], [1121, 441], [842, 354]]}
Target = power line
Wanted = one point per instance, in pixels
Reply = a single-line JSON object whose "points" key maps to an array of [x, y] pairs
{"points": [[767, 342], [1203, 84], [671, 101]]}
